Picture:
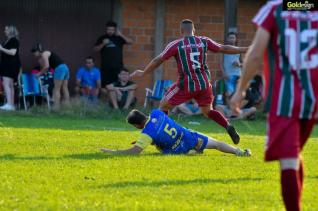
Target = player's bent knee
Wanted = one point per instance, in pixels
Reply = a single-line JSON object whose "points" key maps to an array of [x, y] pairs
{"points": [[289, 163]]}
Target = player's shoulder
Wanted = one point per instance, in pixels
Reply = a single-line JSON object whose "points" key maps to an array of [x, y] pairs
{"points": [[205, 38], [156, 113], [156, 117], [268, 7], [266, 12], [174, 43]]}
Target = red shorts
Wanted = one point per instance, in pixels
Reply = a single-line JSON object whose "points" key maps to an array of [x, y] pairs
{"points": [[175, 96], [286, 136]]}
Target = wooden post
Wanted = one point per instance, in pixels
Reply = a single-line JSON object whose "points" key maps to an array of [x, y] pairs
{"points": [[159, 35], [116, 13], [230, 17]]}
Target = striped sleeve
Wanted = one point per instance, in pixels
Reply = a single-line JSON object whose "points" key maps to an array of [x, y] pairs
{"points": [[144, 141], [212, 45], [265, 16], [170, 50]]}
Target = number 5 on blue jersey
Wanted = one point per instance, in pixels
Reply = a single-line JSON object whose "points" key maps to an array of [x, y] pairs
{"points": [[171, 132]]}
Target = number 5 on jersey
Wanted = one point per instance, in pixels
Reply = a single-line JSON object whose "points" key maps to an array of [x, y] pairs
{"points": [[171, 132], [195, 63]]}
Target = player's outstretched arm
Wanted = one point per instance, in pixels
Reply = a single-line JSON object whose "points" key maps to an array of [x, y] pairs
{"points": [[231, 49], [251, 66], [131, 151], [155, 63]]}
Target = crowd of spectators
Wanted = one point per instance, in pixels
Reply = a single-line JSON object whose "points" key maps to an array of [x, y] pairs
{"points": [[112, 80]]}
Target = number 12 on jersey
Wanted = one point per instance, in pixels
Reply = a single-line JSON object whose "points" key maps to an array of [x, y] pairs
{"points": [[301, 58]]}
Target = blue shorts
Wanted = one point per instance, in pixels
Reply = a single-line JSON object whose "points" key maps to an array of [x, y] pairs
{"points": [[61, 72], [189, 142], [230, 84]]}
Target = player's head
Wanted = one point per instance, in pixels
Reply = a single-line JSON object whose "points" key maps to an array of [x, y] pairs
{"points": [[111, 28], [231, 38], [37, 50], [137, 119], [89, 62], [187, 27], [123, 75]]}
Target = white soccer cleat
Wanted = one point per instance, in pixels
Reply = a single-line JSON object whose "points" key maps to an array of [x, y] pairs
{"points": [[243, 153]]}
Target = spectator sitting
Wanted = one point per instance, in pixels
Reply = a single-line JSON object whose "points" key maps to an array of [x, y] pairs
{"points": [[252, 98], [121, 92], [254, 92], [247, 113], [189, 108], [88, 80]]}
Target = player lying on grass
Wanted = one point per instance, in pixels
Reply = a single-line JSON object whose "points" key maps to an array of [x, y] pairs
{"points": [[171, 138]]}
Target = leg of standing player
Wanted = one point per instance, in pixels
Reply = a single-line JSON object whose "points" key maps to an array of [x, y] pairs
{"points": [[286, 148], [204, 98], [290, 183]]}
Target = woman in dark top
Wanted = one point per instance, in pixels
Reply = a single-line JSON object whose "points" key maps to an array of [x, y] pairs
{"points": [[61, 73], [10, 65]]}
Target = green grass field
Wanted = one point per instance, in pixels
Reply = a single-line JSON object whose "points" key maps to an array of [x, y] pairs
{"points": [[54, 163]]}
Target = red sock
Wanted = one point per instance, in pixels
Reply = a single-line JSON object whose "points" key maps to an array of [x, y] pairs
{"points": [[301, 175], [218, 118], [290, 189]]}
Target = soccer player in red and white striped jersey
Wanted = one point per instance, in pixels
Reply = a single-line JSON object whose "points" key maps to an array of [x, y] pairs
{"points": [[190, 53], [288, 42]]}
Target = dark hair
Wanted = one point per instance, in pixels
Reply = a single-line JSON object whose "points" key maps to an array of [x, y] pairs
{"points": [[90, 57], [124, 69], [187, 21], [136, 117], [232, 33], [111, 24], [187, 25], [37, 47]]}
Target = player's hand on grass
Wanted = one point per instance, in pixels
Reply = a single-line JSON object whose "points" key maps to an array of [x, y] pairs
{"points": [[236, 101], [137, 74]]}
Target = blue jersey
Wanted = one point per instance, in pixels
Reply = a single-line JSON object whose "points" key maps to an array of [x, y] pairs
{"points": [[170, 137]]}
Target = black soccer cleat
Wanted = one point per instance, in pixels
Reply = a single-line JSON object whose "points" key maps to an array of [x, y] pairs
{"points": [[233, 134]]}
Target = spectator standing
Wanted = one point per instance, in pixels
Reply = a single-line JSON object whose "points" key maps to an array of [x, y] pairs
{"points": [[88, 80], [110, 46], [231, 66], [61, 73], [10, 64], [122, 92]]}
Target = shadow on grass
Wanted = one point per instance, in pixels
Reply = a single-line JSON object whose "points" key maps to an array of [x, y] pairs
{"points": [[100, 155], [80, 156], [12, 157], [177, 182], [312, 177]]}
